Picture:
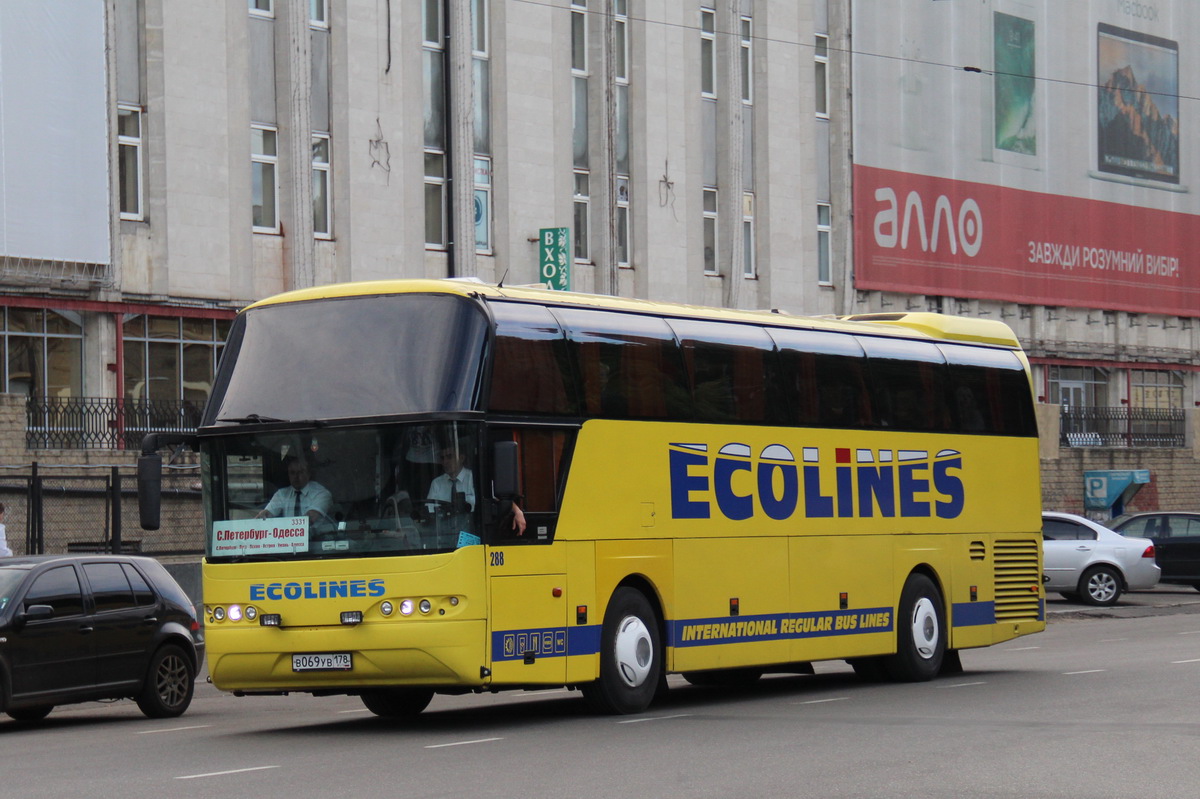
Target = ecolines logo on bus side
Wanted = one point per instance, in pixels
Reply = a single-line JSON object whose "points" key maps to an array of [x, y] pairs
{"points": [[866, 483], [321, 589]]}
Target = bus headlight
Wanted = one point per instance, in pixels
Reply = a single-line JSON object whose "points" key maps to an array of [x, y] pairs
{"points": [[426, 606], [386, 608], [218, 613], [235, 612], [406, 607], [251, 613]]}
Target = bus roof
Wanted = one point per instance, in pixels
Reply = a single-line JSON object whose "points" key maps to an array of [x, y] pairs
{"points": [[911, 325]]}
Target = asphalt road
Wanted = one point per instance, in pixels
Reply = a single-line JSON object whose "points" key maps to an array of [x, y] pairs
{"points": [[1100, 705]]}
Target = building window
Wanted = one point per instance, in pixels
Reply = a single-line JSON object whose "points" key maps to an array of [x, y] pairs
{"points": [[582, 214], [483, 204], [1078, 386], [622, 221], [710, 231], [43, 353], [1155, 388], [747, 55], [435, 199], [264, 160], [708, 52], [262, 8], [433, 55], [322, 207], [318, 13], [821, 72], [824, 229], [749, 269], [167, 358], [129, 161]]}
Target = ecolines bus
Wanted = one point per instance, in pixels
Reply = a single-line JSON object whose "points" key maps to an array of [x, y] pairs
{"points": [[711, 492]]}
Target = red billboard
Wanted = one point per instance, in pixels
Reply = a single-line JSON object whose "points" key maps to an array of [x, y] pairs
{"points": [[1033, 151]]}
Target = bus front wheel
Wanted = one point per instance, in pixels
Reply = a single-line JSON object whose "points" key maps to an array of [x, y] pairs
{"points": [[630, 656], [392, 703], [920, 632]]}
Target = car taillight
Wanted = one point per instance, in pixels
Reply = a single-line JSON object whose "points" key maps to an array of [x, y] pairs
{"points": [[1149, 553]]}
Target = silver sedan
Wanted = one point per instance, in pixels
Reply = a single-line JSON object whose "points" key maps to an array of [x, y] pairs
{"points": [[1084, 560]]}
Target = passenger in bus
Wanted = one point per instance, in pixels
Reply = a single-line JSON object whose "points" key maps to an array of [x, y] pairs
{"points": [[303, 496]]}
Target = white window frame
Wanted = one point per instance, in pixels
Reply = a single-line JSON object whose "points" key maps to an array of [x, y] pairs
{"points": [[749, 265], [711, 229], [323, 171], [318, 14], [821, 76], [579, 48], [271, 160], [256, 9], [440, 182], [582, 202], [825, 236], [747, 55], [708, 42], [135, 143]]}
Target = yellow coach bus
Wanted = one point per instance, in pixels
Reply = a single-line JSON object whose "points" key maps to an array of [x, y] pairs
{"points": [[420, 487]]}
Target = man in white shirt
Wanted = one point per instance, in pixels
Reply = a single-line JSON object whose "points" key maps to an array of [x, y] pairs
{"points": [[457, 477], [302, 497]]}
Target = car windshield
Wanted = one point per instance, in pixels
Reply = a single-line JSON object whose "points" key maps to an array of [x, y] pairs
{"points": [[10, 578], [399, 489]]}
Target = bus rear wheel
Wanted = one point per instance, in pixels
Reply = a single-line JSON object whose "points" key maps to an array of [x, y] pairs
{"points": [[630, 656], [394, 703], [920, 632]]}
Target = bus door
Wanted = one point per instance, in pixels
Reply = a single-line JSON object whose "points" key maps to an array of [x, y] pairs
{"points": [[528, 618]]}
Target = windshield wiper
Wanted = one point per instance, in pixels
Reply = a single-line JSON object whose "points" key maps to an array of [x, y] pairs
{"points": [[254, 417]]}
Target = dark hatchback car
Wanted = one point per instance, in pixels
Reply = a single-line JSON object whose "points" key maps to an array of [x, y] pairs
{"points": [[1176, 537], [75, 628]]}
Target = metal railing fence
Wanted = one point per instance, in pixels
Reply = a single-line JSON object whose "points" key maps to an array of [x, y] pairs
{"points": [[103, 423], [1122, 426]]}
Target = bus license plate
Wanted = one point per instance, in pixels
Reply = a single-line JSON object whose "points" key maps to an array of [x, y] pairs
{"points": [[321, 661]]}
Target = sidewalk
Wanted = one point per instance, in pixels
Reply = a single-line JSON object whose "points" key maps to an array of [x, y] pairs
{"points": [[1158, 601]]}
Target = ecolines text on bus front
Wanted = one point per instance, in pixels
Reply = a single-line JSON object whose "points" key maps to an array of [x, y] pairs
{"points": [[865, 482], [319, 589]]}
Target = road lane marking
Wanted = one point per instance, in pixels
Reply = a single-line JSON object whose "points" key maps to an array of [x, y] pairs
{"points": [[1022, 648], [464, 743], [548, 691], [223, 773], [1112, 640], [965, 684], [1087, 671], [654, 718], [355, 710], [821, 701], [173, 729], [1190, 632], [1193, 660]]}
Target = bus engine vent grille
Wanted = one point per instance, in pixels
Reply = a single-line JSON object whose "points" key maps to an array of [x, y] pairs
{"points": [[978, 550], [1018, 579]]}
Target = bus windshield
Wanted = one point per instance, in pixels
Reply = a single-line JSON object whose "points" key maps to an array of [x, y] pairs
{"points": [[316, 493], [410, 353]]}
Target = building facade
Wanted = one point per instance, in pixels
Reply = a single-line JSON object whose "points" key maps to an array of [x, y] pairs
{"points": [[166, 163]]}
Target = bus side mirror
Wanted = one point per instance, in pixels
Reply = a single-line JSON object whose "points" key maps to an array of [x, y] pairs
{"points": [[149, 484], [504, 470]]}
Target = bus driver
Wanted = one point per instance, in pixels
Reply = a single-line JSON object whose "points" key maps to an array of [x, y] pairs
{"points": [[302, 497]]}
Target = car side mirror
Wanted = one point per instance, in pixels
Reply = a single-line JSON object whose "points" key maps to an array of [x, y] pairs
{"points": [[33, 613]]}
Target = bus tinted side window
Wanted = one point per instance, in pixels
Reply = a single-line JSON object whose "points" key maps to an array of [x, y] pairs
{"points": [[530, 372], [726, 367], [820, 379], [989, 392], [908, 384], [629, 364]]}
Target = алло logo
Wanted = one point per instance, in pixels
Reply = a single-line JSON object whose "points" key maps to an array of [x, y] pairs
{"points": [[866, 483]]}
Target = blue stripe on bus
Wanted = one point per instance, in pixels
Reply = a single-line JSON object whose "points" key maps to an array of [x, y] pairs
{"points": [[565, 641]]}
